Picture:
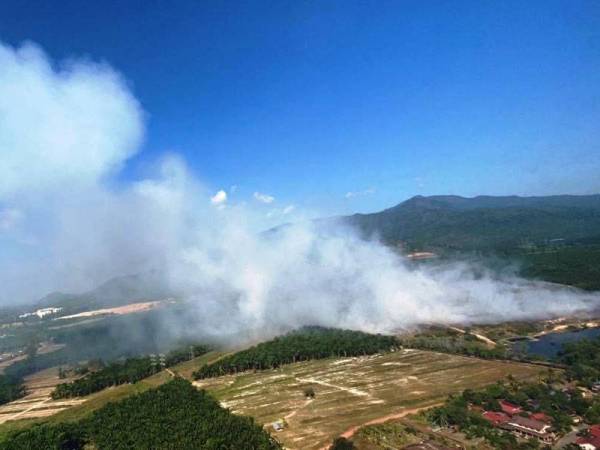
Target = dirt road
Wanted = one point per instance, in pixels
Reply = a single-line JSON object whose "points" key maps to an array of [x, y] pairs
{"points": [[352, 431], [481, 337]]}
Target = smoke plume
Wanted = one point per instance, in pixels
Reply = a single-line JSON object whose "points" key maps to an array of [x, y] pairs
{"points": [[67, 222]]}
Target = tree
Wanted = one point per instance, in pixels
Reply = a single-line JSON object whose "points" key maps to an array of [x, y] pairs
{"points": [[341, 443], [309, 392]]}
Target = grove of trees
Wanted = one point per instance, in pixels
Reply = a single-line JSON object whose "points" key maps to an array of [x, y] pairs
{"points": [[301, 345], [130, 370], [173, 416]]}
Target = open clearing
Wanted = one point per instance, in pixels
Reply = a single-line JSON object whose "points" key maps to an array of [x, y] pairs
{"points": [[351, 392], [119, 310], [37, 402]]}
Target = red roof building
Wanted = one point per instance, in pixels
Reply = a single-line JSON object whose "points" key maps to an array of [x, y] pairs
{"points": [[594, 430], [509, 408], [589, 443], [527, 427], [496, 418], [542, 417]]}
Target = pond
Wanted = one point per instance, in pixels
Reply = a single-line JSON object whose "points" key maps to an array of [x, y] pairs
{"points": [[549, 344]]}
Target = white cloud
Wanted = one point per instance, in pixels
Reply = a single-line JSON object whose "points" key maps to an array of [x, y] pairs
{"points": [[264, 198], [219, 199], [67, 126], [288, 209], [351, 194]]}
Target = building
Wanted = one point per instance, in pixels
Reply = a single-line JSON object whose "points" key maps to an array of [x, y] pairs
{"points": [[527, 427], [588, 443], [41, 312], [542, 417], [509, 408], [496, 418]]}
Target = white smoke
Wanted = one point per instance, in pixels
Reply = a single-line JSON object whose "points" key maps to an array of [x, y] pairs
{"points": [[66, 224]]}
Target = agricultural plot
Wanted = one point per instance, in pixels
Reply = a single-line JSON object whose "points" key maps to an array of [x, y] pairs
{"points": [[37, 402], [351, 392]]}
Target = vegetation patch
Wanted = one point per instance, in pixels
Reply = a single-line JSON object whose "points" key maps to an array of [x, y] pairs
{"points": [[174, 415], [302, 345]]}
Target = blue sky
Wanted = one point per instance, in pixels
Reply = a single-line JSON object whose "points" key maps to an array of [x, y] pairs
{"points": [[307, 101]]}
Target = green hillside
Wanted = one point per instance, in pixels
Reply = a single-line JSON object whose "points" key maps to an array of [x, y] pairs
{"points": [[452, 223]]}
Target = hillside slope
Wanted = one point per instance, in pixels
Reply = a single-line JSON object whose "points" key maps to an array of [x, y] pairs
{"points": [[483, 223]]}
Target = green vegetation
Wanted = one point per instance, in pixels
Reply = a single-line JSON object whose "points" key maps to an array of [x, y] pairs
{"points": [[302, 345], [342, 443], [386, 435], [583, 360], [483, 224], [555, 238], [577, 266], [446, 340], [548, 397], [108, 339], [129, 371], [175, 415], [456, 413], [10, 389]]}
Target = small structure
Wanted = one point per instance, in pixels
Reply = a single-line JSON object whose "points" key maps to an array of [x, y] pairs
{"points": [[596, 387], [278, 425], [41, 313], [509, 408], [415, 256], [542, 417], [496, 418], [588, 443]]}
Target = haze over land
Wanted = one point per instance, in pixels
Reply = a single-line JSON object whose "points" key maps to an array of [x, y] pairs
{"points": [[68, 222]]}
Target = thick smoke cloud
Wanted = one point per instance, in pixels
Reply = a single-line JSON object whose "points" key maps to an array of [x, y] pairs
{"points": [[66, 224]]}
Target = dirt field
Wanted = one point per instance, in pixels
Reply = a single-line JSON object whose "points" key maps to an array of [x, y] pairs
{"points": [[354, 391], [127, 309], [37, 403]]}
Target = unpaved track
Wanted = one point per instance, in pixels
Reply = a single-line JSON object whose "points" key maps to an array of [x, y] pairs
{"points": [[20, 413], [352, 391], [293, 413], [399, 415], [481, 337]]}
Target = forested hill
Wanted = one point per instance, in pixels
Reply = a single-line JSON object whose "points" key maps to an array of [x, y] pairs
{"points": [[482, 223], [301, 345]]}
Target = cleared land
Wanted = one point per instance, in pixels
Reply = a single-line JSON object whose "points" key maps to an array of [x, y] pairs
{"points": [[47, 410], [119, 310], [351, 392], [37, 402]]}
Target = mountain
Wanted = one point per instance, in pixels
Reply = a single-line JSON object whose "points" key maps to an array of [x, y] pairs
{"points": [[117, 291], [483, 223]]}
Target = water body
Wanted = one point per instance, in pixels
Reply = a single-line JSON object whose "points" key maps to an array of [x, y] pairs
{"points": [[550, 344]]}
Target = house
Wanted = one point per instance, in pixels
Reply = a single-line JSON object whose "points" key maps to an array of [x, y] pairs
{"points": [[509, 408], [594, 430], [542, 417], [496, 418], [588, 443], [596, 387], [527, 427]]}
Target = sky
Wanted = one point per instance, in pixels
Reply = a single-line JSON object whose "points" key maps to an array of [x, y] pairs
{"points": [[321, 108]]}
